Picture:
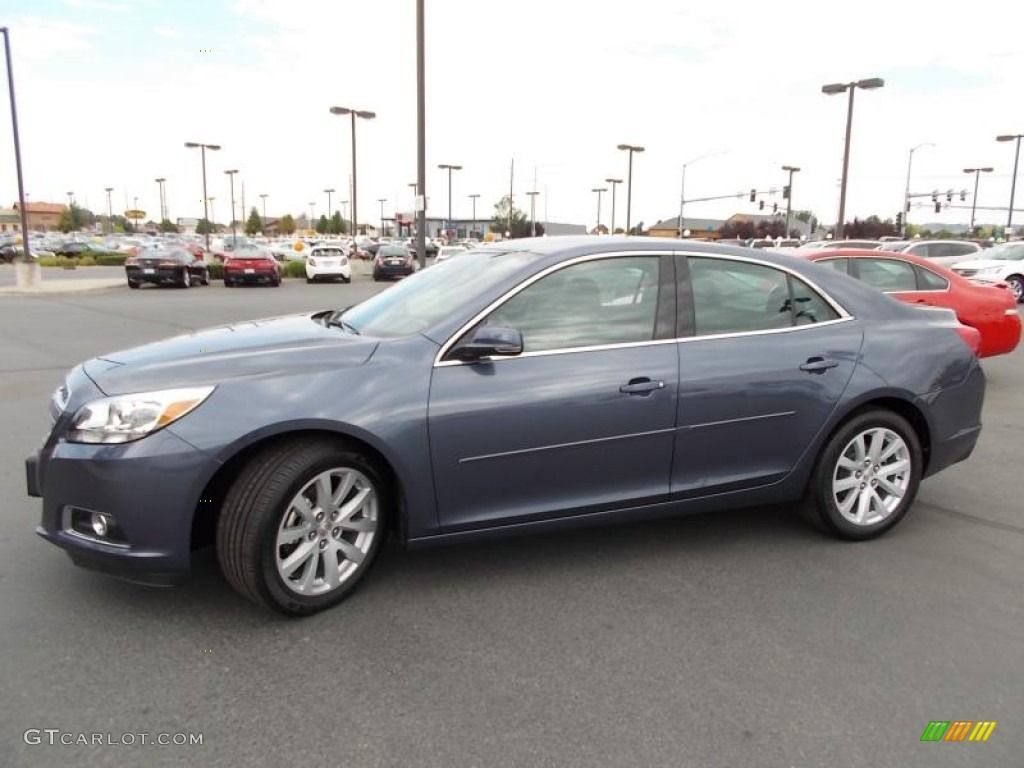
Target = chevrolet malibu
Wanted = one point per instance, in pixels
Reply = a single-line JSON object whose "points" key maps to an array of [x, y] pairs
{"points": [[519, 388]]}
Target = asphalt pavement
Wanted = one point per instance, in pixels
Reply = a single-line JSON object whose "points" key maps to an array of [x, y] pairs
{"points": [[735, 639]]}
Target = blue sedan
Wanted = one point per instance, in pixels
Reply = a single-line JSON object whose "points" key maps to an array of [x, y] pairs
{"points": [[522, 387]]}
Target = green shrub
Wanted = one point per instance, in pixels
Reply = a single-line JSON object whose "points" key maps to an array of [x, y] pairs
{"points": [[111, 259], [216, 271], [86, 261], [293, 269]]}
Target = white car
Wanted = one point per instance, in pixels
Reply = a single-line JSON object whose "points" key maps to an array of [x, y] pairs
{"points": [[944, 252], [328, 261], [1001, 263]]}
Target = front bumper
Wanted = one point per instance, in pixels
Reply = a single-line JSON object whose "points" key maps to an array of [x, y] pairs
{"points": [[151, 488]]}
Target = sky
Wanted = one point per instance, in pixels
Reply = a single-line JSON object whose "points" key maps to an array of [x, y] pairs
{"points": [[109, 90]]}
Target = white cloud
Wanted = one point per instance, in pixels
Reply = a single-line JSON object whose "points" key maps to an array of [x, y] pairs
{"points": [[556, 85]]}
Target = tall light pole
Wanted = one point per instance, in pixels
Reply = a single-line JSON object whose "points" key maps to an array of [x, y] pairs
{"points": [[474, 197], [631, 148], [354, 114], [71, 198], [213, 216], [1013, 181], [791, 169], [974, 201], [600, 191], [615, 183], [110, 211], [263, 197], [231, 175], [27, 275], [421, 138], [330, 211], [906, 194], [163, 205], [830, 90], [682, 189], [206, 215], [344, 211], [449, 168], [312, 214], [533, 212], [381, 200]]}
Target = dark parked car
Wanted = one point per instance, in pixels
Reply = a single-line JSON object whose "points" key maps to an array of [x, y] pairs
{"points": [[249, 266], [166, 266], [522, 387], [393, 261], [75, 249]]}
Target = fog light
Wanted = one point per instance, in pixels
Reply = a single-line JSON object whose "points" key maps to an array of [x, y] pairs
{"points": [[100, 524]]}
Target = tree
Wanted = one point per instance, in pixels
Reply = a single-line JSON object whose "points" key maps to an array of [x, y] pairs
{"points": [[507, 218], [620, 231], [808, 218], [638, 229], [322, 225], [286, 226], [601, 230], [337, 226], [204, 227], [74, 218], [168, 226], [740, 229], [870, 228], [254, 224]]}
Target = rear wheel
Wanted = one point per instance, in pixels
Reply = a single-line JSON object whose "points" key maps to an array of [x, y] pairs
{"points": [[206, 277], [185, 279], [302, 525], [346, 279], [867, 476], [1016, 283], [310, 280], [132, 284]]}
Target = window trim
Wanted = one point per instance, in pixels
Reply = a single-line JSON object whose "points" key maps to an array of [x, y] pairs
{"points": [[682, 289]]}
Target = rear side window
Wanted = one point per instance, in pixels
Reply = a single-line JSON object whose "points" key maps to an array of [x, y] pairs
{"points": [[887, 274], [952, 249], [929, 281], [739, 297], [839, 265]]}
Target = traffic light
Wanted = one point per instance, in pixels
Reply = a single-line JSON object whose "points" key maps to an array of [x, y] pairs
{"points": [[949, 196], [760, 206], [775, 207], [785, 192], [899, 220], [963, 195], [753, 195], [935, 196], [938, 207]]}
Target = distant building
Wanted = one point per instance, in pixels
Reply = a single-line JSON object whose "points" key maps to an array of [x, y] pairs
{"points": [[43, 217], [10, 220]]}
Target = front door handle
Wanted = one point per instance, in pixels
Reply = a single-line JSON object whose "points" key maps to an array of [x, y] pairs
{"points": [[818, 365], [641, 386]]}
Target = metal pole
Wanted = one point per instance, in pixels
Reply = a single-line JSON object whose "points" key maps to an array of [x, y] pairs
{"points": [[846, 167], [263, 197], [629, 194], [421, 140], [1013, 189], [449, 198], [906, 194], [234, 233], [206, 211], [682, 201], [382, 201], [614, 185], [110, 212], [473, 198], [789, 203], [26, 257], [511, 182], [974, 200], [354, 177]]}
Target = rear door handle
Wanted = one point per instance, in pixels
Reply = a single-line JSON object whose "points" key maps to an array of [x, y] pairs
{"points": [[818, 365], [641, 386]]}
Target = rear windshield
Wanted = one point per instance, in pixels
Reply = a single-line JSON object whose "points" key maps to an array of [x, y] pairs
{"points": [[393, 250]]}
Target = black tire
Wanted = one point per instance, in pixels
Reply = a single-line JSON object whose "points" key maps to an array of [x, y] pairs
{"points": [[310, 280], [256, 506], [186, 279], [346, 280], [820, 507], [1016, 283], [133, 284], [206, 277], [228, 283]]}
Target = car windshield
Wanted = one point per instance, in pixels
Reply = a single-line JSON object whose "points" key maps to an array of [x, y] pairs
{"points": [[426, 298], [329, 252], [1006, 252]]}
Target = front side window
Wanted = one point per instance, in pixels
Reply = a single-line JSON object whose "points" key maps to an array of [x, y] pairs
{"points": [[887, 274], [605, 301]]}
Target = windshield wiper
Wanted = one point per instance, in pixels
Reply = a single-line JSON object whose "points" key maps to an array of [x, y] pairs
{"points": [[337, 321]]}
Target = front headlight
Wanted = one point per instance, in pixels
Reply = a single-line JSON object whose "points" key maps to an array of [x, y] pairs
{"points": [[124, 418]]}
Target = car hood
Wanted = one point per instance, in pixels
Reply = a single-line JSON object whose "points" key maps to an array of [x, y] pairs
{"points": [[985, 263], [290, 344]]}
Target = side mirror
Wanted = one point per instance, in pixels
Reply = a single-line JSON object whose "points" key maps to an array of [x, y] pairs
{"points": [[489, 341]]}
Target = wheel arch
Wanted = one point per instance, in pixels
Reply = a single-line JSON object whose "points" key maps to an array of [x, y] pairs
{"points": [[210, 502]]}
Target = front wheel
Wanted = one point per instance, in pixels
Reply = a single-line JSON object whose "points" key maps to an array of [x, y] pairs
{"points": [[302, 525], [185, 281], [1016, 283], [867, 476]]}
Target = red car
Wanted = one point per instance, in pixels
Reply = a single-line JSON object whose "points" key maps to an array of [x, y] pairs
{"points": [[991, 309], [251, 265]]}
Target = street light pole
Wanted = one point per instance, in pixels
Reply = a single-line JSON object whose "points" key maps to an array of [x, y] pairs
{"points": [[330, 211], [381, 200], [366, 115], [631, 148], [312, 215], [600, 191], [615, 183], [263, 197], [906, 194], [533, 213], [682, 189], [110, 211], [789, 198], [163, 209], [213, 216], [449, 168], [206, 212], [26, 275], [1013, 181], [473, 197], [421, 139], [974, 201], [830, 90], [234, 234]]}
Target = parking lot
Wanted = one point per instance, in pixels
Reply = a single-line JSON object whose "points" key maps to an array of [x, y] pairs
{"points": [[735, 639]]}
